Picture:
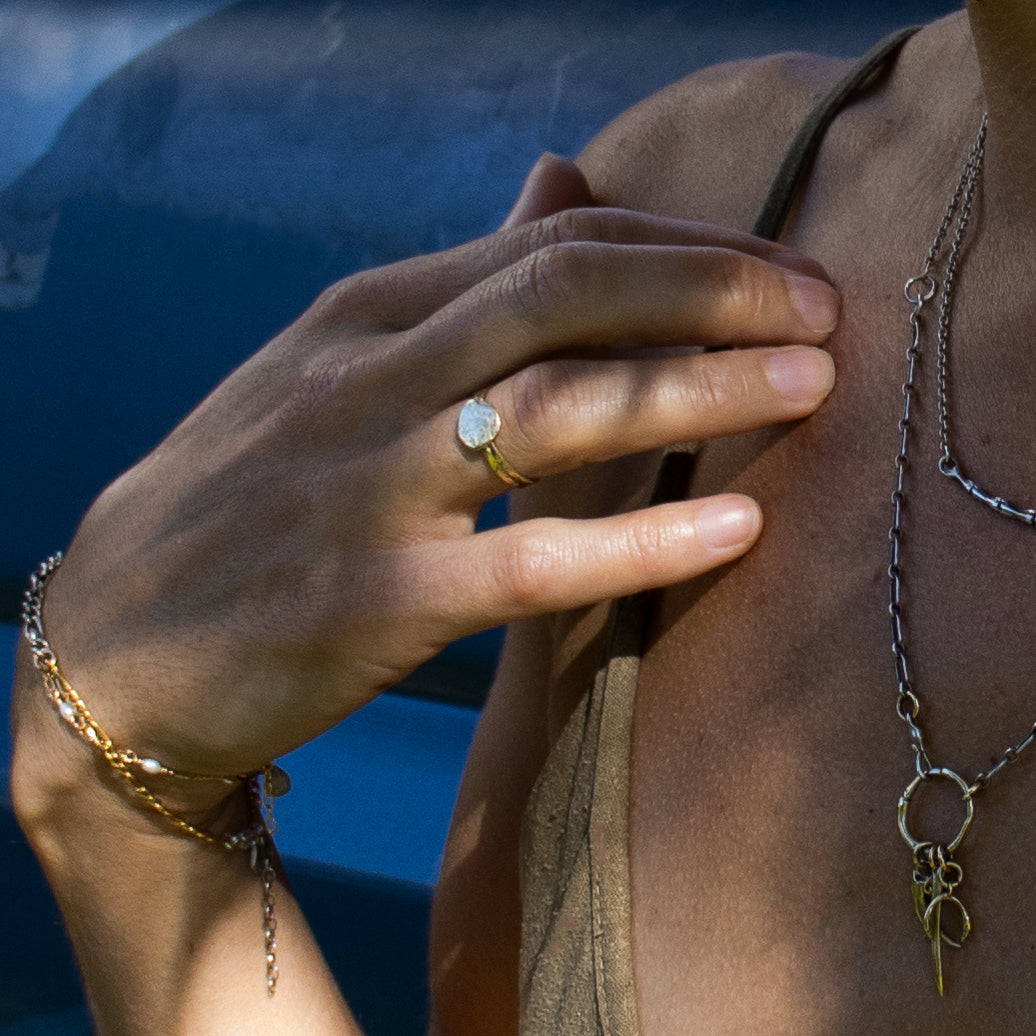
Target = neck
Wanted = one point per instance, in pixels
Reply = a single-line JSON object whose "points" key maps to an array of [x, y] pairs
{"points": [[1004, 32]]}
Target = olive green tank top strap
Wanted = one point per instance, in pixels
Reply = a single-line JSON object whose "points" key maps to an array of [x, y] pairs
{"points": [[576, 957], [794, 169], [798, 159], [576, 973]]}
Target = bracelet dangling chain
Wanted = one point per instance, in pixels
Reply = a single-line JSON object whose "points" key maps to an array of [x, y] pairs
{"points": [[262, 785]]}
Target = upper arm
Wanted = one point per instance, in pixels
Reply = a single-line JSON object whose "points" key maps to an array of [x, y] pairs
{"points": [[545, 665], [476, 921]]}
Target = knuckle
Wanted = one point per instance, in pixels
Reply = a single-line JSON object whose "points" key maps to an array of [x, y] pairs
{"points": [[647, 546], [568, 226], [523, 566], [547, 404], [741, 294], [348, 301], [720, 382], [533, 406], [551, 277]]}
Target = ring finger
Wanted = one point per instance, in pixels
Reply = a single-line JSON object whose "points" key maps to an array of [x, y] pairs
{"points": [[558, 415]]}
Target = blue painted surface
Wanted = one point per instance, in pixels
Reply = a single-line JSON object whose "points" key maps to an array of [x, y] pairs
{"points": [[376, 792], [53, 52], [73, 1022]]}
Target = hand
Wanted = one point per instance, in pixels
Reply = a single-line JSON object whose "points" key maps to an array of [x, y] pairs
{"points": [[305, 538]]}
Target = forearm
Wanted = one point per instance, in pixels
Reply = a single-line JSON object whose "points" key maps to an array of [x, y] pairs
{"points": [[168, 929]]}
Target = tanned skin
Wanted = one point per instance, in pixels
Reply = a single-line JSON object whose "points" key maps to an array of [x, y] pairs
{"points": [[771, 888]]}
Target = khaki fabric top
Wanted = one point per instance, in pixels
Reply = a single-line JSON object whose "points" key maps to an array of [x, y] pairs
{"points": [[577, 960]]}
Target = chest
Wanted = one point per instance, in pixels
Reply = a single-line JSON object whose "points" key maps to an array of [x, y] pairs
{"points": [[768, 756]]}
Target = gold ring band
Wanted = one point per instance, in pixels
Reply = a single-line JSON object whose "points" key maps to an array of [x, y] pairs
{"points": [[478, 425]]}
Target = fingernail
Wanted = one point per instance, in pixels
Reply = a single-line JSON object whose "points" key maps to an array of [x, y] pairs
{"points": [[801, 374], [816, 302], [731, 521]]}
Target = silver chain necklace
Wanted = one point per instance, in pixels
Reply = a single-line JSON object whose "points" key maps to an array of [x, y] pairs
{"points": [[936, 874]]}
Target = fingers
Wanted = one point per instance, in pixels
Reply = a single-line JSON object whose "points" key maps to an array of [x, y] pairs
{"points": [[582, 296], [545, 565], [401, 296], [558, 415]]}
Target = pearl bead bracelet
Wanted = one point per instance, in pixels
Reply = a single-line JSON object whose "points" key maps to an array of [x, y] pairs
{"points": [[262, 785]]}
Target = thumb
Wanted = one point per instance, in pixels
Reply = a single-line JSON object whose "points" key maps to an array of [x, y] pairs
{"points": [[553, 184]]}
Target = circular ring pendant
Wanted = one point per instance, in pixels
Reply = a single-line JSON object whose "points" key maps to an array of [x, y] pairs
{"points": [[904, 807]]}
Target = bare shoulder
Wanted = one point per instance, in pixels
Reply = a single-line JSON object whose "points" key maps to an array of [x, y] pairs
{"points": [[707, 147]]}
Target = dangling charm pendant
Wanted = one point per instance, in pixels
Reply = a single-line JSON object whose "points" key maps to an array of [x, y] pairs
{"points": [[937, 875]]}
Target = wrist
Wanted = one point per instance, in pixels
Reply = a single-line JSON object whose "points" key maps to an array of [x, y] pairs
{"points": [[49, 799], [165, 791], [98, 840], [55, 772]]}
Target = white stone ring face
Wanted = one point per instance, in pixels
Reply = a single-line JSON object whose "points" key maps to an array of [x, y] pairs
{"points": [[478, 425]]}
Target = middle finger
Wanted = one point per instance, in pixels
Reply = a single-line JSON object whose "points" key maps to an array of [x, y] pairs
{"points": [[575, 296]]}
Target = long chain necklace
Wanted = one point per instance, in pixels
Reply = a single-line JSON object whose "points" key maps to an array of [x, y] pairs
{"points": [[936, 873]]}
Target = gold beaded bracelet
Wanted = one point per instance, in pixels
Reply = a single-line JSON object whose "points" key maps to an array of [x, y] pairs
{"points": [[263, 785]]}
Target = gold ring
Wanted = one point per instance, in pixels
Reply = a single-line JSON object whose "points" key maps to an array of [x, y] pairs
{"points": [[478, 425]]}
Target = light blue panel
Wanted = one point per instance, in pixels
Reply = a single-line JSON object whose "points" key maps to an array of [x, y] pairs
{"points": [[374, 794], [53, 53]]}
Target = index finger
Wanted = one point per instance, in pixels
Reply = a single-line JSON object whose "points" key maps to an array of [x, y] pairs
{"points": [[400, 296], [578, 297]]}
